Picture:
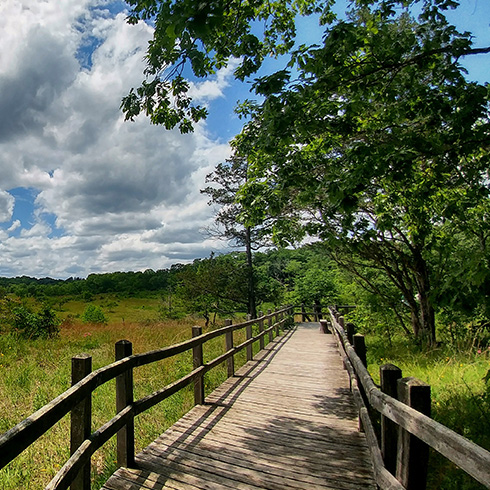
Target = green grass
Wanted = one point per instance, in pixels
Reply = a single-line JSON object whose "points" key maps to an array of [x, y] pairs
{"points": [[33, 372], [116, 309], [460, 395]]}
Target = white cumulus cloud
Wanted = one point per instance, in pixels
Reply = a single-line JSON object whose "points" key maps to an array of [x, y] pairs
{"points": [[110, 195]]}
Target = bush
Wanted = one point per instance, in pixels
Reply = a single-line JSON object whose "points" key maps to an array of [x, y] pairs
{"points": [[93, 314], [44, 324]]}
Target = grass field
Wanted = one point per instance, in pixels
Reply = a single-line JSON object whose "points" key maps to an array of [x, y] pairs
{"points": [[460, 394], [33, 372], [116, 309]]}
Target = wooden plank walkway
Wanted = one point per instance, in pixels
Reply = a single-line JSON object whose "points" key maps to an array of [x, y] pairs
{"points": [[285, 421]]}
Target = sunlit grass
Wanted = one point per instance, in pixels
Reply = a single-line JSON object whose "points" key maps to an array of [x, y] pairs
{"points": [[116, 309], [460, 395], [33, 372]]}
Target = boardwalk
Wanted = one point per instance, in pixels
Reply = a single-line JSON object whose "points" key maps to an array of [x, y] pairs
{"points": [[285, 421]]}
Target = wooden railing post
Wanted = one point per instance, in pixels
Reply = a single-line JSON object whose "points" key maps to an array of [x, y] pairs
{"points": [[341, 321], [197, 361], [389, 375], [81, 419], [324, 326], [230, 362], [303, 313], [269, 324], [359, 345], [248, 330], [413, 454], [350, 330], [277, 323], [261, 329], [124, 397]]}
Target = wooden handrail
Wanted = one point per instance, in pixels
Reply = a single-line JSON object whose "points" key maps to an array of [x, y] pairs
{"points": [[30, 429], [20, 437], [470, 457]]}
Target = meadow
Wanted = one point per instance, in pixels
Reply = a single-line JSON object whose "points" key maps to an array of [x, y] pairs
{"points": [[34, 371]]}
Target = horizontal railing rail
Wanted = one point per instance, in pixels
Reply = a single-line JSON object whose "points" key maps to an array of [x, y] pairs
{"points": [[77, 399], [470, 457]]}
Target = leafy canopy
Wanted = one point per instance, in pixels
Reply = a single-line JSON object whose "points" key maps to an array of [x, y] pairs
{"points": [[371, 139], [204, 37], [380, 148]]}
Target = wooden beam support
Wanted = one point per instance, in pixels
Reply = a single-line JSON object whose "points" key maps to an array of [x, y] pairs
{"points": [[124, 398], [230, 363], [81, 419], [413, 454], [197, 361], [389, 375]]}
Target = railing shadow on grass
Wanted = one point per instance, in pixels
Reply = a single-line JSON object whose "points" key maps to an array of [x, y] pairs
{"points": [[77, 399]]}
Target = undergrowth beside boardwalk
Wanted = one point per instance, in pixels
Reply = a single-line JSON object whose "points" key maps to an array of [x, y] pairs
{"points": [[33, 372], [460, 388]]}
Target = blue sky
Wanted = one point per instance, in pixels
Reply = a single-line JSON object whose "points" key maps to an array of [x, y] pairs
{"points": [[83, 191]]}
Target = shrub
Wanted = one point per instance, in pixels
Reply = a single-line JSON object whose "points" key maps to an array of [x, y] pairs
{"points": [[44, 324], [93, 314]]}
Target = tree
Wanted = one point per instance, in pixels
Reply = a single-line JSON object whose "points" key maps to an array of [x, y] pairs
{"points": [[22, 320], [94, 314], [380, 149], [213, 285], [371, 139], [205, 36], [226, 180]]}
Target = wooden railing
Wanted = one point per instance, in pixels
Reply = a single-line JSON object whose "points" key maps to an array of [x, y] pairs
{"points": [[401, 459], [315, 314], [77, 399]]}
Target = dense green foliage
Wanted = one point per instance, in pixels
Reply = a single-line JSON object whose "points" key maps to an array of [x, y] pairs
{"points": [[371, 139], [19, 319], [93, 314], [381, 150], [205, 36], [128, 283]]}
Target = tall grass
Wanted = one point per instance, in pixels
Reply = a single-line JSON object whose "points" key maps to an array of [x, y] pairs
{"points": [[460, 394], [33, 372]]}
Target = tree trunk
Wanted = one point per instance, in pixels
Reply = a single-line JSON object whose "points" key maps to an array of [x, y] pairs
{"points": [[252, 307], [427, 318], [425, 326]]}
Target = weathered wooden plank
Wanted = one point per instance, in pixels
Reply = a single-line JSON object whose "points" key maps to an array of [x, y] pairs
{"points": [[256, 471], [334, 440], [286, 420], [272, 451], [131, 479], [240, 457]]}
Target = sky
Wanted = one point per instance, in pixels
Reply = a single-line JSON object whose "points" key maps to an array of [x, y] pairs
{"points": [[81, 190]]}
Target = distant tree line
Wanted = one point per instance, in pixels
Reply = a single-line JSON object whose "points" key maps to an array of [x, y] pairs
{"points": [[114, 282], [216, 287]]}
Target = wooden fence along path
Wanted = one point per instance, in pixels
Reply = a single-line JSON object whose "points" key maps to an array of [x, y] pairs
{"points": [[286, 420]]}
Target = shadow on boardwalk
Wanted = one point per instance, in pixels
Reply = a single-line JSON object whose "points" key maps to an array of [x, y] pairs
{"points": [[284, 421]]}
